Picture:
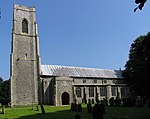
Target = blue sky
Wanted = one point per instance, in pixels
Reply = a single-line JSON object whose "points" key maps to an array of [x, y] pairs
{"points": [[85, 33]]}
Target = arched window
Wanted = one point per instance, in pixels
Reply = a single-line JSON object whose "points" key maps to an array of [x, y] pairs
{"points": [[114, 90], [78, 92], [24, 26], [103, 91], [91, 91]]}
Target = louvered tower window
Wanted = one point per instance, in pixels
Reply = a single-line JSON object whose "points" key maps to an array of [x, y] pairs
{"points": [[24, 26]]}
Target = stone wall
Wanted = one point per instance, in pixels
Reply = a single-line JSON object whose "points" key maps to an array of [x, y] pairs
{"points": [[48, 90], [55, 87], [63, 84], [24, 58]]}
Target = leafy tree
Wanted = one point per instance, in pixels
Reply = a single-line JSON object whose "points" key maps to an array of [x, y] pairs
{"points": [[137, 68], [140, 3], [4, 91], [1, 80]]}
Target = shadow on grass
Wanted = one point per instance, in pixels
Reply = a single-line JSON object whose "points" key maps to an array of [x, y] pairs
{"points": [[64, 114]]}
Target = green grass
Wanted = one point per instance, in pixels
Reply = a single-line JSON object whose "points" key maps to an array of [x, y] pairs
{"points": [[63, 112]]}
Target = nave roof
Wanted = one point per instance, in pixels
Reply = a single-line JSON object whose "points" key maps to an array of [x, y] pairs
{"points": [[69, 71]]}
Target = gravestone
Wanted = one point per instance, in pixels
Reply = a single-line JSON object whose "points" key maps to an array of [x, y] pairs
{"points": [[92, 101], [77, 116], [139, 103], [117, 101], [74, 107], [105, 101], [42, 109], [148, 102], [111, 101], [3, 109], [37, 108], [89, 107], [98, 111], [79, 108]]}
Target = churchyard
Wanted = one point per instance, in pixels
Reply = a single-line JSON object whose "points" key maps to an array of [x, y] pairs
{"points": [[63, 112]]}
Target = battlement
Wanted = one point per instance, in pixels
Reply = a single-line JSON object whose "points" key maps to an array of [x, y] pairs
{"points": [[24, 8]]}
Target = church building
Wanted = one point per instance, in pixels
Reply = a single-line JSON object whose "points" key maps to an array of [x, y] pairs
{"points": [[35, 83]]}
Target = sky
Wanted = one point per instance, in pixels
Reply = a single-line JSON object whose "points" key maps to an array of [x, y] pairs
{"points": [[82, 33]]}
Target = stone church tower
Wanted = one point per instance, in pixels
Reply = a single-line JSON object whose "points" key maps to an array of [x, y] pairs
{"points": [[25, 63]]}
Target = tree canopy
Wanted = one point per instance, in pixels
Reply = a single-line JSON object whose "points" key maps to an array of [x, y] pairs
{"points": [[4, 91], [137, 68], [140, 3]]}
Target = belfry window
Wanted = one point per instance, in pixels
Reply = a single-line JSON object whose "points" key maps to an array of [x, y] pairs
{"points": [[24, 26]]}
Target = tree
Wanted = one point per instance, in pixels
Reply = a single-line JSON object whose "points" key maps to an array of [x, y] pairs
{"points": [[140, 3], [4, 91], [137, 68], [1, 80]]}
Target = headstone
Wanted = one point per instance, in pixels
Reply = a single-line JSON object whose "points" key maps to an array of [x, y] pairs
{"points": [[32, 106], [79, 108], [105, 101], [89, 100], [94, 112], [89, 107], [37, 108], [92, 101], [103, 106], [42, 109], [3, 109], [9, 104], [139, 103], [98, 111], [74, 107], [85, 101], [117, 101], [111, 101], [77, 116], [148, 102]]}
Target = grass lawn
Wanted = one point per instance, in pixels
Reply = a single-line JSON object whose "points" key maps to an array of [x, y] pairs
{"points": [[63, 112]]}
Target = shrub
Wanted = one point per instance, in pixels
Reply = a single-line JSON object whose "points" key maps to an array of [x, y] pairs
{"points": [[105, 101], [139, 103], [117, 101], [73, 107], [111, 101], [129, 101]]}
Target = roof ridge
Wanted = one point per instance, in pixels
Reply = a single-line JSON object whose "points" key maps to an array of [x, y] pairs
{"points": [[79, 67]]}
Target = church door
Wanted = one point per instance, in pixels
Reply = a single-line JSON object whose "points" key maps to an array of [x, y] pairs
{"points": [[65, 98]]}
